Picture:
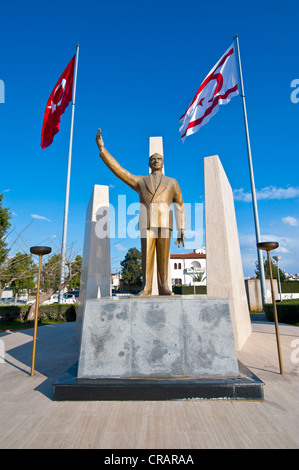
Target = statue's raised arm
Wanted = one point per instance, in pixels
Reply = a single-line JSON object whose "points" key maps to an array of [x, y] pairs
{"points": [[114, 166]]}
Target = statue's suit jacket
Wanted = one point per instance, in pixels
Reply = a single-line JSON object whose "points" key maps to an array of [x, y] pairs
{"points": [[155, 203]]}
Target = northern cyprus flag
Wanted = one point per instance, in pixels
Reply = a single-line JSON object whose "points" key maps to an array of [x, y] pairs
{"points": [[219, 86]]}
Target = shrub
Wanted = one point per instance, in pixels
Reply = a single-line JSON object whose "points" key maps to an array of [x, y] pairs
{"points": [[189, 290], [52, 312], [58, 312], [14, 312], [290, 287], [287, 311]]}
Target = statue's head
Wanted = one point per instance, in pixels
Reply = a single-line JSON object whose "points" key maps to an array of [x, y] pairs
{"points": [[156, 162]]}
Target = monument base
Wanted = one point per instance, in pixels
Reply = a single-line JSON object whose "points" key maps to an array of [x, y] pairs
{"points": [[158, 348], [157, 336], [246, 386]]}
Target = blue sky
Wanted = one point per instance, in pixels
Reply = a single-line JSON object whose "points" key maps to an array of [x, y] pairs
{"points": [[140, 65]]}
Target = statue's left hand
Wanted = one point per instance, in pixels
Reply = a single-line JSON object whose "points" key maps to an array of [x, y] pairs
{"points": [[180, 239], [99, 140]]}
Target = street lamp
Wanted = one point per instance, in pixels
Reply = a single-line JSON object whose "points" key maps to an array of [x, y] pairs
{"points": [[277, 258], [40, 251], [268, 246]]}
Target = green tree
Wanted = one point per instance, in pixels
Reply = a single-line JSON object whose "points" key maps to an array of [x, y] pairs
{"points": [[18, 272], [198, 277], [75, 266], [23, 269], [50, 272], [51, 278], [131, 267], [14, 268], [267, 270], [5, 217]]}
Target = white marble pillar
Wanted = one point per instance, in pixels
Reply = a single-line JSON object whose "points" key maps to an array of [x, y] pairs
{"points": [[96, 264], [225, 276], [156, 146]]}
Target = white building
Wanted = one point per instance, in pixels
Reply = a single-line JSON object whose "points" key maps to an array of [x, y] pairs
{"points": [[187, 268], [115, 280]]}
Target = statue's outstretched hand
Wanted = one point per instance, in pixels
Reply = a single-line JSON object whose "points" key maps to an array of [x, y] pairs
{"points": [[99, 140], [180, 239]]}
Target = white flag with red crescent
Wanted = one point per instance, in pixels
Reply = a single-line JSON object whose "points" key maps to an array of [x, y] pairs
{"points": [[219, 86]]}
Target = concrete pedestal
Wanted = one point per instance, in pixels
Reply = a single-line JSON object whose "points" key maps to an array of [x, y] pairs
{"points": [[180, 336], [173, 348]]}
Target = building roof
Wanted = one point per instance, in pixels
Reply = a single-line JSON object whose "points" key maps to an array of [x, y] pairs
{"points": [[189, 256]]}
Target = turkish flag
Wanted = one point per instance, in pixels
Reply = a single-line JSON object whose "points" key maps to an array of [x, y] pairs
{"points": [[219, 86], [58, 101]]}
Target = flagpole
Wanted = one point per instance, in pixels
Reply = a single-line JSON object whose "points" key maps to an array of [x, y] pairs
{"points": [[67, 190], [255, 211]]}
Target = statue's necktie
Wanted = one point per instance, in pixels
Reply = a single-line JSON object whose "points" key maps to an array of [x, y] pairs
{"points": [[155, 180]]}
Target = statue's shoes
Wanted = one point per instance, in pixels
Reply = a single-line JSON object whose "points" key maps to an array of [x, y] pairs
{"points": [[165, 292], [144, 293]]}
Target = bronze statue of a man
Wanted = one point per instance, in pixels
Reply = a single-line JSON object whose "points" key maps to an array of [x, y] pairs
{"points": [[156, 192]]}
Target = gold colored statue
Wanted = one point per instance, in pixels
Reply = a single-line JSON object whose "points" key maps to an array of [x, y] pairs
{"points": [[156, 192]]}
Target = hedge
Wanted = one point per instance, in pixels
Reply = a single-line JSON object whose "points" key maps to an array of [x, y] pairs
{"points": [[53, 312], [287, 311], [290, 287], [189, 290]]}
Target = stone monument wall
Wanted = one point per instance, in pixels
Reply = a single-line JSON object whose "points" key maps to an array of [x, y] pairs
{"points": [[96, 265], [225, 276]]}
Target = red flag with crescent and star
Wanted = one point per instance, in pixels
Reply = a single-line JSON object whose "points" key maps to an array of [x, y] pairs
{"points": [[58, 101], [219, 86]]}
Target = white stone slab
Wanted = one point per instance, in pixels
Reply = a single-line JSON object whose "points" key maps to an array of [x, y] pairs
{"points": [[156, 146], [225, 276], [254, 296], [96, 265]]}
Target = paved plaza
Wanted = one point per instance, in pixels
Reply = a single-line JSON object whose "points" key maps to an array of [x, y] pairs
{"points": [[31, 419]]}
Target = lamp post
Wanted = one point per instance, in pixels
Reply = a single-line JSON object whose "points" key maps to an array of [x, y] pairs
{"points": [[193, 269], [40, 251], [277, 258], [268, 246]]}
